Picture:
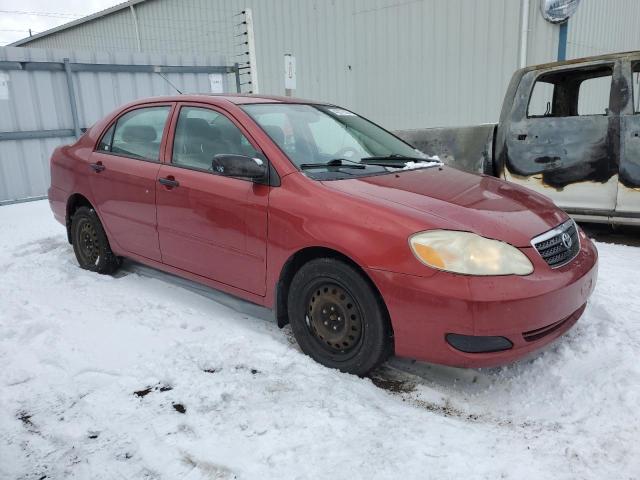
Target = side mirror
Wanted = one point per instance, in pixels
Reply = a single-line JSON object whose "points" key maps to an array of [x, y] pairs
{"points": [[231, 165]]}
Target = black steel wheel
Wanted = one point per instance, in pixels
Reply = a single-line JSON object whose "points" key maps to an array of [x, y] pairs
{"points": [[88, 245], [90, 242], [338, 317], [334, 318]]}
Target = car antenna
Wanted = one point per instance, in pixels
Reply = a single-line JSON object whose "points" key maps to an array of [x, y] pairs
{"points": [[167, 80]]}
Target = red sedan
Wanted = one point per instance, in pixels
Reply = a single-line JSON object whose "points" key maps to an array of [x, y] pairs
{"points": [[365, 246]]}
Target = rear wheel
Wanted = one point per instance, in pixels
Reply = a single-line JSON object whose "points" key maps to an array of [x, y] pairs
{"points": [[90, 242], [337, 317]]}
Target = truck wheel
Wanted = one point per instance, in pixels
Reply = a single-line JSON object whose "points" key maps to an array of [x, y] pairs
{"points": [[90, 242], [337, 317]]}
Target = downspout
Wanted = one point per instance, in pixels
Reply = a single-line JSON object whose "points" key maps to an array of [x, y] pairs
{"points": [[562, 41], [135, 24], [524, 33]]}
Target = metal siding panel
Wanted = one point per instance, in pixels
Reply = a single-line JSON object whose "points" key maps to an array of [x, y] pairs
{"points": [[542, 45], [451, 53], [111, 32], [603, 26]]}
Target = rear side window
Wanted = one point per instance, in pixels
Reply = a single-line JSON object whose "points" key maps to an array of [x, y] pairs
{"points": [[593, 96], [541, 99], [138, 133]]}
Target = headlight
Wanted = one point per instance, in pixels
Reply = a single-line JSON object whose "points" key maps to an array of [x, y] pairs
{"points": [[468, 253]]}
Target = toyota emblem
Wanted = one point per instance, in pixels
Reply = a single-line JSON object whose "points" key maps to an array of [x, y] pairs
{"points": [[566, 241]]}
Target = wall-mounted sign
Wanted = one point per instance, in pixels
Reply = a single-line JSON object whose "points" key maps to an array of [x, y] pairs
{"points": [[558, 11], [289, 72], [215, 80]]}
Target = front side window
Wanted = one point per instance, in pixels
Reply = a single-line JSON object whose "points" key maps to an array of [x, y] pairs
{"points": [[202, 133], [138, 133], [541, 99], [572, 93], [317, 134]]}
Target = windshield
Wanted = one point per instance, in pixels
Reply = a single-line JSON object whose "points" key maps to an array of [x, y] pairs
{"points": [[322, 139]]}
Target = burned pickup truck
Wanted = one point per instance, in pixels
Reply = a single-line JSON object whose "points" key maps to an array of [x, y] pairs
{"points": [[569, 130]]}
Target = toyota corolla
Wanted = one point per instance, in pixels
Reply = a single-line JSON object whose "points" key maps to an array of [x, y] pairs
{"points": [[363, 244]]}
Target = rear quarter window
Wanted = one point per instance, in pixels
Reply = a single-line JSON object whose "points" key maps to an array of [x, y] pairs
{"points": [[107, 138]]}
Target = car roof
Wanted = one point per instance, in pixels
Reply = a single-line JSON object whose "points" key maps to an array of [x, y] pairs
{"points": [[237, 99]]}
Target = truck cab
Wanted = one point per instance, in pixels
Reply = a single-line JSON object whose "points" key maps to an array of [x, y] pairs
{"points": [[569, 130]]}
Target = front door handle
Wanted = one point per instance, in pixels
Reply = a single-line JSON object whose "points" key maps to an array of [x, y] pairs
{"points": [[97, 167], [522, 136], [169, 182]]}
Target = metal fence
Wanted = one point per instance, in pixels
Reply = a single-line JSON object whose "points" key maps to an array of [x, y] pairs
{"points": [[47, 98]]}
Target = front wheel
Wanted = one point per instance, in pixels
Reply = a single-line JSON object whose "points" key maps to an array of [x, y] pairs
{"points": [[338, 318], [90, 242]]}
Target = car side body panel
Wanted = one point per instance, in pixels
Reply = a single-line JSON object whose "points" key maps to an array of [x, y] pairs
{"points": [[125, 195]]}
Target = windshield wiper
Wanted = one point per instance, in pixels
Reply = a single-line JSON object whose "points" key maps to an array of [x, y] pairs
{"points": [[393, 160], [336, 162]]}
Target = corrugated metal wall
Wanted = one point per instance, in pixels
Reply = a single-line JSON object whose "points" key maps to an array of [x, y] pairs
{"points": [[403, 63], [39, 100], [112, 32], [598, 27], [604, 26], [165, 26], [433, 62]]}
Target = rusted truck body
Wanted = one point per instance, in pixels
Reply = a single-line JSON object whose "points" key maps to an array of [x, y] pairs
{"points": [[569, 130]]}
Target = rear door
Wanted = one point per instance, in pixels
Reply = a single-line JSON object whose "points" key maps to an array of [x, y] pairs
{"points": [[209, 224], [124, 175], [563, 141], [628, 204]]}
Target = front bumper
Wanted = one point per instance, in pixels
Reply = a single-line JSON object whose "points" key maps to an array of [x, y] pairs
{"points": [[529, 311]]}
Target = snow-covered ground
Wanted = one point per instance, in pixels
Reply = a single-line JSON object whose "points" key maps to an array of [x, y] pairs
{"points": [[223, 394]]}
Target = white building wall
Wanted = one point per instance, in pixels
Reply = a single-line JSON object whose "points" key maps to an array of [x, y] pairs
{"points": [[403, 63], [604, 26]]}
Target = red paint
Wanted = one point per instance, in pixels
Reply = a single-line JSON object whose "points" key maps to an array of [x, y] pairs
{"points": [[236, 236]]}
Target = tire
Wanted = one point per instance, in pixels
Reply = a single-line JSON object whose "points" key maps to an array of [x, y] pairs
{"points": [[90, 243], [338, 318]]}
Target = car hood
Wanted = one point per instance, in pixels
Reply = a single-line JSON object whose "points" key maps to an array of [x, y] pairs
{"points": [[459, 200]]}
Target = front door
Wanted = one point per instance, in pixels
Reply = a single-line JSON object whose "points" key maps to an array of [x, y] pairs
{"points": [[563, 141], [209, 224], [628, 204], [124, 175]]}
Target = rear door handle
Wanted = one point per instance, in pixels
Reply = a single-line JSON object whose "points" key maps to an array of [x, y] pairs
{"points": [[97, 167], [169, 182]]}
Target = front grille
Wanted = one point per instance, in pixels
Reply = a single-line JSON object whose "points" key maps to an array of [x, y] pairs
{"points": [[558, 246]]}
